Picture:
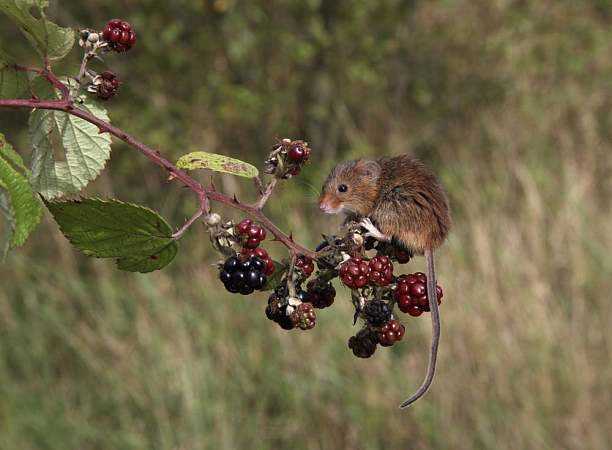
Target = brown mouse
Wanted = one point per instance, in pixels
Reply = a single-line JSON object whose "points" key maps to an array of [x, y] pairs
{"points": [[396, 199]]}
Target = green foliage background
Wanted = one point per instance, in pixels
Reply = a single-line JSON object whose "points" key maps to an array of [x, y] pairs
{"points": [[509, 101]]}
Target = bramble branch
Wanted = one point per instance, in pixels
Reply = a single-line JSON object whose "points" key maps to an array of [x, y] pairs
{"points": [[67, 104]]}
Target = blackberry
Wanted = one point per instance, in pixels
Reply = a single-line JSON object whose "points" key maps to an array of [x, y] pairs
{"points": [[119, 35], [262, 254], [376, 312], [411, 294], [320, 295], [354, 273], [106, 85], [277, 312], [243, 276], [305, 264], [363, 343], [304, 316], [298, 151], [381, 271], [402, 256], [390, 333], [251, 234]]}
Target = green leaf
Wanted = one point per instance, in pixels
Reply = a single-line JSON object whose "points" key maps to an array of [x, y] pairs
{"points": [[276, 277], [9, 224], [20, 205], [144, 264], [138, 237], [49, 40], [13, 83], [85, 150], [218, 163]]}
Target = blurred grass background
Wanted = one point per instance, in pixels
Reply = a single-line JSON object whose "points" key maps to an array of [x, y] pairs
{"points": [[509, 101]]}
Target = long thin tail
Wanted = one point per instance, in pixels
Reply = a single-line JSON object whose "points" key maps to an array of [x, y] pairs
{"points": [[435, 330]]}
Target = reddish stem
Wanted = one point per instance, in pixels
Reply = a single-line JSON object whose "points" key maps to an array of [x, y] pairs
{"points": [[66, 104]]}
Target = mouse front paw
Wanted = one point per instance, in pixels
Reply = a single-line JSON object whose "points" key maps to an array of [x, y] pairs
{"points": [[372, 231]]}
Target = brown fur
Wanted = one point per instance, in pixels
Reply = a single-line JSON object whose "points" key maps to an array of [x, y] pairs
{"points": [[400, 195]]}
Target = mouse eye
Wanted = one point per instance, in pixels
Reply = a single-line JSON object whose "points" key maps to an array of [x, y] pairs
{"points": [[342, 188]]}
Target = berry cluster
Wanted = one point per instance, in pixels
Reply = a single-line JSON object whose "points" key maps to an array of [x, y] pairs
{"points": [[119, 35], [364, 343], [262, 254], [251, 233], [320, 295], [287, 158], [411, 294], [305, 264], [381, 271], [243, 276], [106, 85], [390, 333], [354, 273]]}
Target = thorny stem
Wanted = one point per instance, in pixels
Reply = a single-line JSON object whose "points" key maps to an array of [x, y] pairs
{"points": [[204, 208], [66, 104]]}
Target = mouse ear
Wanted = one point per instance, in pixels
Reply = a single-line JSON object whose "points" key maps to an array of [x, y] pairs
{"points": [[368, 168]]}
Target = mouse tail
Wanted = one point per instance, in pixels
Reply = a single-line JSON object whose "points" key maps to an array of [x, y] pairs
{"points": [[435, 326]]}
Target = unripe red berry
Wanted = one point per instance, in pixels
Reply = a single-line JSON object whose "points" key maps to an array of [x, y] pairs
{"points": [[390, 333], [304, 316], [305, 264], [354, 273], [411, 294], [243, 226], [381, 271], [296, 153], [119, 35]]}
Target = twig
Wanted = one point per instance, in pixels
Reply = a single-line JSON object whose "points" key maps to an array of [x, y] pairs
{"points": [[266, 193], [204, 208]]}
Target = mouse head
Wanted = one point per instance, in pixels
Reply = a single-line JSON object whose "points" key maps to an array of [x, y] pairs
{"points": [[351, 187]]}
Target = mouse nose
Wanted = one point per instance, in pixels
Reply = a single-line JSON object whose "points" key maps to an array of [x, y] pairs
{"points": [[323, 205]]}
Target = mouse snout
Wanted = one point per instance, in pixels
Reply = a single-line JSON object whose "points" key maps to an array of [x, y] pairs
{"points": [[328, 204]]}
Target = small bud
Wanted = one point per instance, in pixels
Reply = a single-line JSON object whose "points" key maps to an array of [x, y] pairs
{"points": [[93, 37], [213, 219], [294, 301]]}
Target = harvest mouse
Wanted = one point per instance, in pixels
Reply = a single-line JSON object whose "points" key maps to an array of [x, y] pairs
{"points": [[396, 200]]}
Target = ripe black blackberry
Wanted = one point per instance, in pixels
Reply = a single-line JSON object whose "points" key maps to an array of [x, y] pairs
{"points": [[320, 295], [363, 343], [119, 35], [376, 313], [277, 311], [243, 276]]}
